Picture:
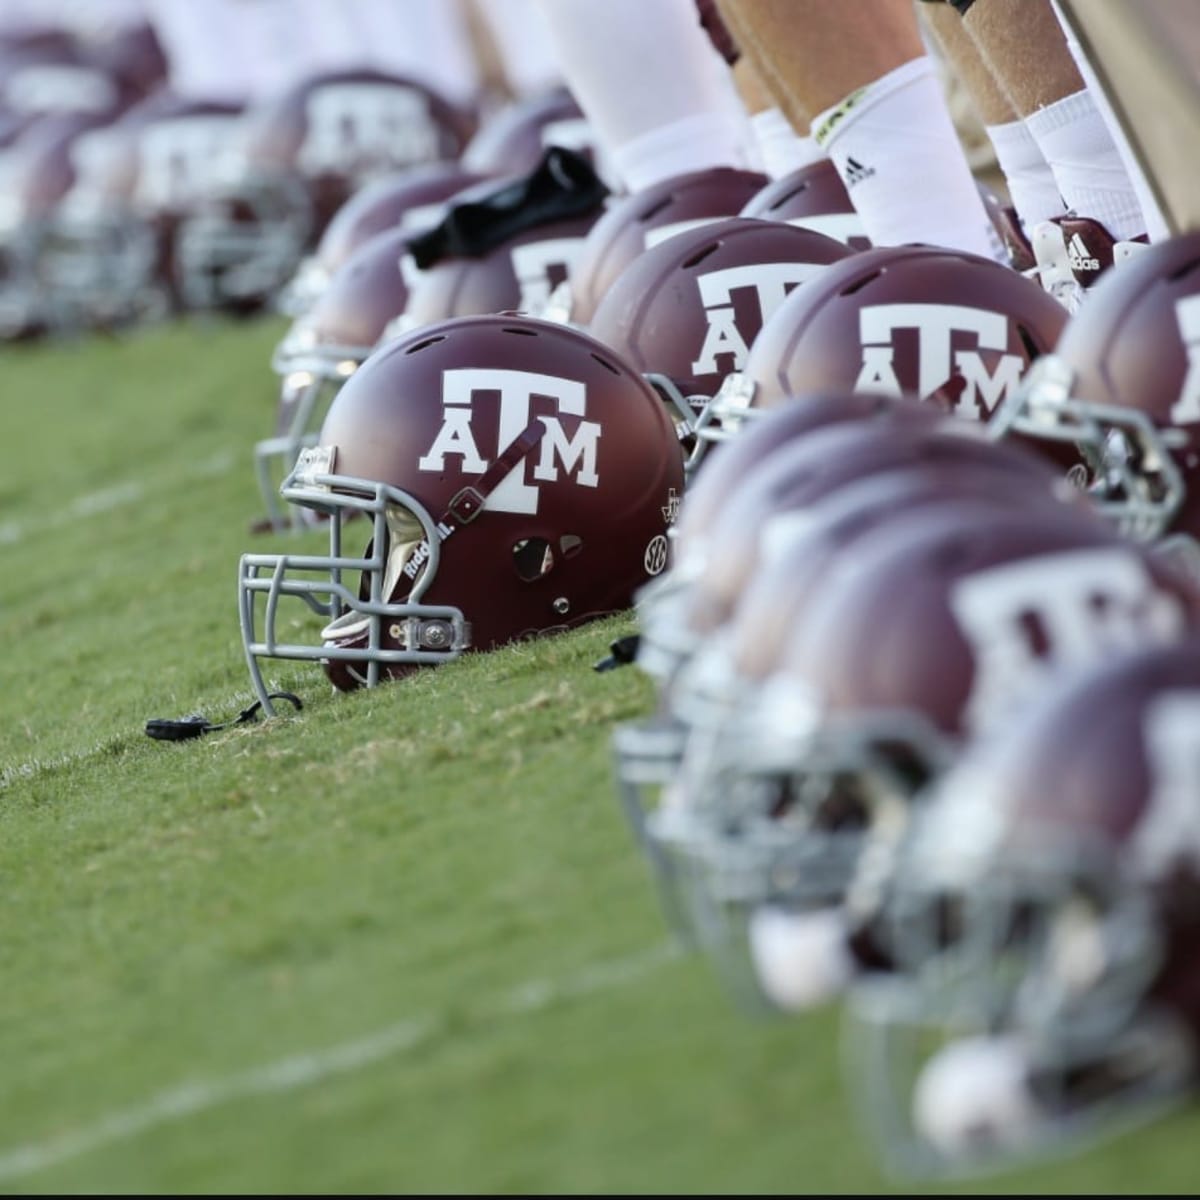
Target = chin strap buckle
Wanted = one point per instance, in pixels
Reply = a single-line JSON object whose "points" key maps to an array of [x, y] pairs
{"points": [[623, 652], [163, 729]]}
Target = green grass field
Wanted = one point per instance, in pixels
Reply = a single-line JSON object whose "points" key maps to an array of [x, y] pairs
{"points": [[401, 941]]}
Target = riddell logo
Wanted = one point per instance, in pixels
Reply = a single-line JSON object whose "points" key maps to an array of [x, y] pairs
{"points": [[855, 172], [1079, 256]]}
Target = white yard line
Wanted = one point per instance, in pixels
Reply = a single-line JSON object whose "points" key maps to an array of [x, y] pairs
{"points": [[119, 495], [306, 1068], [36, 766]]}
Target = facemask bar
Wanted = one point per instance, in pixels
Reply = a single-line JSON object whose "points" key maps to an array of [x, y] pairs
{"points": [[1090, 1067], [99, 267], [649, 762], [222, 259], [1136, 482], [683, 410], [430, 633], [23, 302], [887, 1039], [1052, 941], [721, 882], [667, 641], [313, 373], [648, 756], [751, 856], [723, 416], [304, 289], [745, 851], [1049, 951]]}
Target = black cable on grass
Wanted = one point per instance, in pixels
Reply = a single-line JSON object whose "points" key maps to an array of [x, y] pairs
{"points": [[164, 729]]}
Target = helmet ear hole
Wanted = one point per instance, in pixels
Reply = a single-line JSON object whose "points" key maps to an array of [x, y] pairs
{"points": [[533, 558]]}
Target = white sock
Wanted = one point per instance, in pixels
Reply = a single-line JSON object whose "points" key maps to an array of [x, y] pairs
{"points": [[693, 143], [658, 96], [1093, 181], [783, 150], [523, 44], [1031, 183], [895, 147]]}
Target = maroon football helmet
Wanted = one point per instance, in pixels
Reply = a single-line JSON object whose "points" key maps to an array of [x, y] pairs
{"points": [[812, 197], [411, 200], [323, 348], [740, 458], [131, 54], [952, 328], [1123, 384], [723, 521], [686, 311], [49, 73], [636, 223], [1046, 911], [690, 617], [770, 506], [936, 627], [35, 175], [515, 138], [516, 275], [112, 251], [518, 479], [715, 636], [302, 156]]}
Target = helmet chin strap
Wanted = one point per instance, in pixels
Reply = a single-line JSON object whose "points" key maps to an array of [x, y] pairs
{"points": [[468, 502], [164, 729]]}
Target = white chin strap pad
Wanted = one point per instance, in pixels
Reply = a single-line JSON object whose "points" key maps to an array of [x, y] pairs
{"points": [[801, 959], [973, 1096]]}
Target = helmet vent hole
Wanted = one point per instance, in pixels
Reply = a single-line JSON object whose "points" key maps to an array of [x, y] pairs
{"points": [[533, 558], [791, 195], [655, 209], [1186, 269], [953, 557], [521, 332], [701, 255], [425, 344], [1032, 350], [859, 284], [570, 545], [606, 364]]}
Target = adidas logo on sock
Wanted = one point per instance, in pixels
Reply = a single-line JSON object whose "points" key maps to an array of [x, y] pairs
{"points": [[855, 172], [1079, 256]]}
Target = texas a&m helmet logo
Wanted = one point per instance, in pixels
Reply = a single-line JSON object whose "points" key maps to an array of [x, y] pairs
{"points": [[540, 266], [1028, 619], [768, 283], [564, 451], [1186, 409], [353, 126], [950, 341], [1167, 833]]}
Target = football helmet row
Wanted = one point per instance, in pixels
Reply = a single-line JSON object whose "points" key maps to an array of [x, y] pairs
{"points": [[154, 201], [923, 723]]}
